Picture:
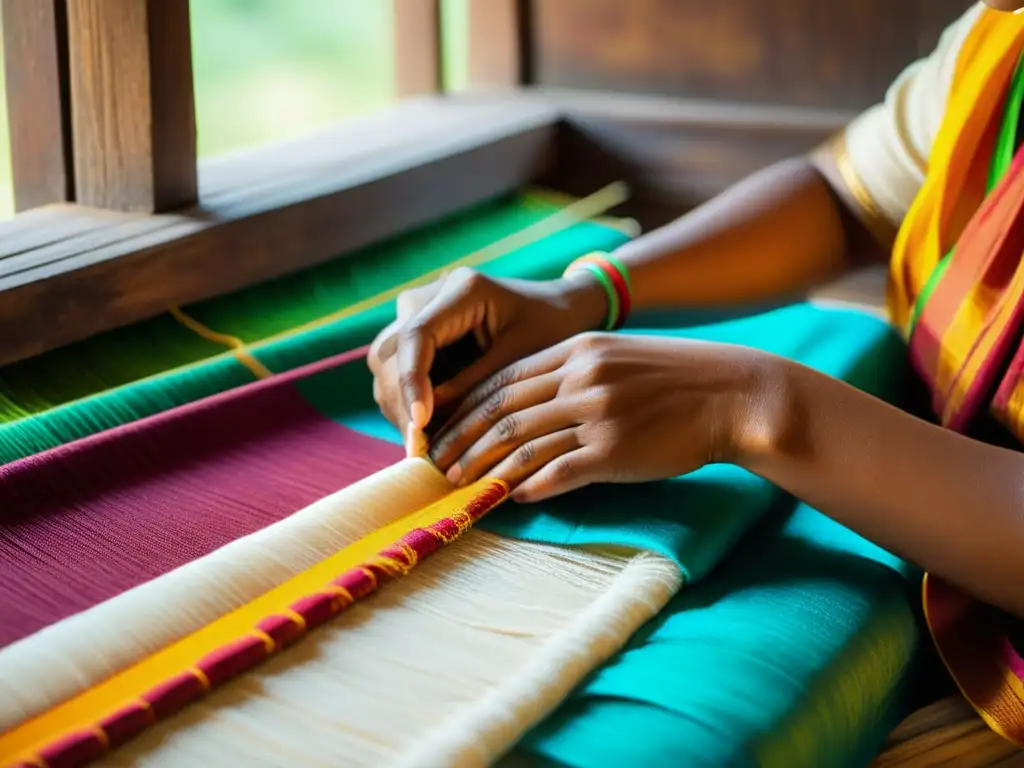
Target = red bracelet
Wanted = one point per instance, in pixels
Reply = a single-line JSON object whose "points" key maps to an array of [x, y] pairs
{"points": [[617, 275]]}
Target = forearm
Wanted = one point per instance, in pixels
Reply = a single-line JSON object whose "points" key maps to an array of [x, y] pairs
{"points": [[779, 232], [952, 505]]}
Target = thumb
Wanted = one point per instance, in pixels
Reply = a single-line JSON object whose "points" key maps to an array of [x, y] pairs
{"points": [[453, 312]]}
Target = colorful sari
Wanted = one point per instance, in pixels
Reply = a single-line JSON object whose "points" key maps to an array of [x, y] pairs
{"points": [[957, 292]]}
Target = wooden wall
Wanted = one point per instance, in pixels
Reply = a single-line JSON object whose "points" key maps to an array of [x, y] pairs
{"points": [[821, 53]]}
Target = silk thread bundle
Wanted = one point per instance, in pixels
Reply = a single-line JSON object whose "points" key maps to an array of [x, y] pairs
{"points": [[626, 601]]}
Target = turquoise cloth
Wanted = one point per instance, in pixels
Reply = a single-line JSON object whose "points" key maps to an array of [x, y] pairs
{"points": [[791, 644]]}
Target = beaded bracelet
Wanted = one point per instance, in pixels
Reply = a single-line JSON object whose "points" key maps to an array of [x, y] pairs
{"points": [[614, 278]]}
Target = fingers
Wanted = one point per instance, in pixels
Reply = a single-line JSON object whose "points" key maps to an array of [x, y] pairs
{"points": [[500, 407], [376, 357], [416, 350], [453, 311], [569, 472], [545, 362], [508, 435], [387, 396], [532, 456]]}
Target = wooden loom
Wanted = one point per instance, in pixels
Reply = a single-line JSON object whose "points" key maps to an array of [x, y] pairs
{"points": [[118, 222]]}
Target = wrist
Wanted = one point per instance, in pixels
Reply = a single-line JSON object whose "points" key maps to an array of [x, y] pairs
{"points": [[585, 301], [761, 413]]}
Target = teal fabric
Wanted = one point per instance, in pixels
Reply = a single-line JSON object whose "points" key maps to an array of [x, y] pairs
{"points": [[792, 643]]}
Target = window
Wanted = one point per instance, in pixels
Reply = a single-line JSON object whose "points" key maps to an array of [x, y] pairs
{"points": [[6, 185], [132, 242], [268, 70]]}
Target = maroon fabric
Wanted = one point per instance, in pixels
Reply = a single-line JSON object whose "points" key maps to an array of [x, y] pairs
{"points": [[88, 520]]}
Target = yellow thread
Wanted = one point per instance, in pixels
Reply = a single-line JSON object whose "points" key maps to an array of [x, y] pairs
{"points": [[582, 210], [201, 676], [342, 597], [268, 641], [370, 574], [297, 617], [102, 736], [390, 565], [409, 553], [240, 348], [334, 589]]}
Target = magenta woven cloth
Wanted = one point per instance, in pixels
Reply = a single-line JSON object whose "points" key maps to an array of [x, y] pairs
{"points": [[86, 521]]}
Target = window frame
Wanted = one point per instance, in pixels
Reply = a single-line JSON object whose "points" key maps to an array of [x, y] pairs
{"points": [[70, 270]]}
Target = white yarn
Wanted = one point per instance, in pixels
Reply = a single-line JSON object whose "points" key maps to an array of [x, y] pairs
{"points": [[482, 732], [42, 670], [448, 666]]}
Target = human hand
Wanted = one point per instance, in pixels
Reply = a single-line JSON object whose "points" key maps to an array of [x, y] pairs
{"points": [[508, 318], [604, 408]]}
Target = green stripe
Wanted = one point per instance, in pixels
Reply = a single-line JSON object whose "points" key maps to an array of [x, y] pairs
{"points": [[1002, 159]]}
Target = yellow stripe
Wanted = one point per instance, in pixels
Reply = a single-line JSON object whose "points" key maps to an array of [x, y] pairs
{"points": [[241, 351], [987, 53], [989, 717], [967, 345], [82, 712]]}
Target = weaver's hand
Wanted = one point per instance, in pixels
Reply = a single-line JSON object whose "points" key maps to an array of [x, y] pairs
{"points": [[509, 318], [604, 408]]}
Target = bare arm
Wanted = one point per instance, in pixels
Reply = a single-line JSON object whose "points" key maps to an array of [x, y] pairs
{"points": [[777, 233], [953, 505]]}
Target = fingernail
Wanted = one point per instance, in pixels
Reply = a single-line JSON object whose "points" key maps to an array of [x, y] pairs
{"points": [[415, 442], [454, 474], [418, 412]]}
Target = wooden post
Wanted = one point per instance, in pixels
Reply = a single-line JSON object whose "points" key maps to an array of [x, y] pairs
{"points": [[133, 110], [417, 47], [38, 101], [495, 44]]}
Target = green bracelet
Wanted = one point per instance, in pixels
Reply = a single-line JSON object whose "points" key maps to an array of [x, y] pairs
{"points": [[609, 289]]}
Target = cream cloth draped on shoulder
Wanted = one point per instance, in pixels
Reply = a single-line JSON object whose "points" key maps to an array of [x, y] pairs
{"points": [[883, 154]]}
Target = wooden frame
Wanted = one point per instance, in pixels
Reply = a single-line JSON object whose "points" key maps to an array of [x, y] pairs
{"points": [[38, 101], [417, 47], [498, 43], [132, 105], [157, 235]]}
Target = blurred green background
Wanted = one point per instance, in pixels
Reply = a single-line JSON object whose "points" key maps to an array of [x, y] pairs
{"points": [[266, 70]]}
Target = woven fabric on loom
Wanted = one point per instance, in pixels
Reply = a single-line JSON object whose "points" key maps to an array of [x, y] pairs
{"points": [[789, 646], [84, 388]]}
